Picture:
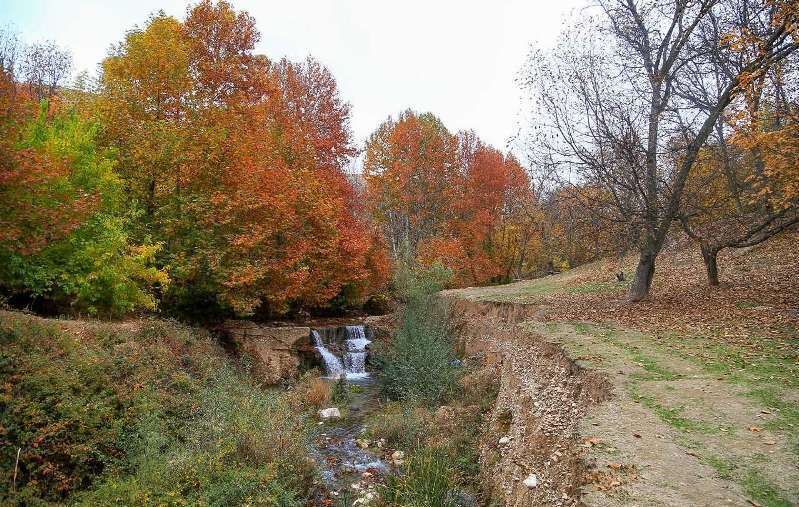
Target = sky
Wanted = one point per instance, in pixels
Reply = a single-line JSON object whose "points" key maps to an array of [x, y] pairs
{"points": [[457, 59]]}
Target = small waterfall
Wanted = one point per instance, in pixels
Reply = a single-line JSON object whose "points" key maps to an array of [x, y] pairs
{"points": [[355, 356], [333, 364], [353, 365]]}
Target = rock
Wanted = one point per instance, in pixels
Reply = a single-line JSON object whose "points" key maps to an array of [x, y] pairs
{"points": [[363, 444], [366, 499], [381, 443], [329, 413], [531, 481], [460, 498], [274, 351], [397, 457], [504, 440]]}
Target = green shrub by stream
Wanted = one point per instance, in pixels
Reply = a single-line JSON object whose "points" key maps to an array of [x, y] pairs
{"points": [[430, 416], [150, 413], [419, 365]]}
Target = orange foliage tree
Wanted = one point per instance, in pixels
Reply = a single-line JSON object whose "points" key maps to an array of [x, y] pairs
{"points": [[448, 198], [237, 162]]}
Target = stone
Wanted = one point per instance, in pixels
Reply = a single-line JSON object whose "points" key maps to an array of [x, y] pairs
{"points": [[329, 413], [504, 440], [531, 481], [274, 351], [397, 457]]}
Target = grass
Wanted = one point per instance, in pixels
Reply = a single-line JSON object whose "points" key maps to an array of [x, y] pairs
{"points": [[673, 416], [761, 490], [595, 287]]}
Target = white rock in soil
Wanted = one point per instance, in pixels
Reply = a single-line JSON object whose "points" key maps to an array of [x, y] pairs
{"points": [[330, 413], [504, 441], [531, 481], [397, 455]]}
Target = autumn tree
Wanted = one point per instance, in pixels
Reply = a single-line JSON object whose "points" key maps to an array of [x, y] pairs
{"points": [[448, 199], [613, 111], [411, 167], [237, 162]]}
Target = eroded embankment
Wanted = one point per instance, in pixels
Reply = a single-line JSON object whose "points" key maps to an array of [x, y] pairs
{"points": [[531, 450], [609, 416]]}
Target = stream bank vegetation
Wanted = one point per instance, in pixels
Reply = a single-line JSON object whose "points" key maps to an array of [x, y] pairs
{"points": [[433, 412], [148, 412]]}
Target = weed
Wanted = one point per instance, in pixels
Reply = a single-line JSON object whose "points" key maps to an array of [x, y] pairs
{"points": [[425, 481]]}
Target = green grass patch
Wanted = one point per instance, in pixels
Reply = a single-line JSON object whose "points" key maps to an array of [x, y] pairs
{"points": [[724, 468], [594, 288], [672, 415], [761, 490]]}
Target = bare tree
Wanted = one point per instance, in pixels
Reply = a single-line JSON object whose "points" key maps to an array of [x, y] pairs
{"points": [[612, 116], [46, 67], [10, 51]]}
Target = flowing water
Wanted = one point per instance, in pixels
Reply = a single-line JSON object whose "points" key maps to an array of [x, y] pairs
{"points": [[333, 366], [348, 470], [353, 363]]}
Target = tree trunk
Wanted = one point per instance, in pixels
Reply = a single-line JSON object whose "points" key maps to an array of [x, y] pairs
{"points": [[643, 277], [710, 256]]}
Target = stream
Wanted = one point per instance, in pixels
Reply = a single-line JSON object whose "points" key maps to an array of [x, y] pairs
{"points": [[350, 467]]}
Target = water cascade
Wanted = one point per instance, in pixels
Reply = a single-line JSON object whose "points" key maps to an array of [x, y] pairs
{"points": [[333, 365], [353, 365], [355, 356]]}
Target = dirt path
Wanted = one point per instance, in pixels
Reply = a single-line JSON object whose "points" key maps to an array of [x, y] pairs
{"points": [[675, 432], [607, 416]]}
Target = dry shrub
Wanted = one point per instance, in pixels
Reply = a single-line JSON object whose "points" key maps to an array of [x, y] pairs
{"points": [[319, 392], [480, 387], [311, 391]]}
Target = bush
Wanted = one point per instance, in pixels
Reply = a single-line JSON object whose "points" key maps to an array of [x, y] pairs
{"points": [[402, 425], [419, 363], [415, 282]]}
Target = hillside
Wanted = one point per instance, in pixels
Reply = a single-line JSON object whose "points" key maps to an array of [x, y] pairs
{"points": [[688, 398], [144, 412]]}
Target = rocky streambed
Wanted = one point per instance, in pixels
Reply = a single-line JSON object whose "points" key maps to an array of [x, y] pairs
{"points": [[351, 466]]}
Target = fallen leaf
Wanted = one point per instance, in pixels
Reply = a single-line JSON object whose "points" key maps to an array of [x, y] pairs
{"points": [[755, 429]]}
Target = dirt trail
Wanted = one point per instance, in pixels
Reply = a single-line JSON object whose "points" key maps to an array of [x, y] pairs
{"points": [[608, 416]]}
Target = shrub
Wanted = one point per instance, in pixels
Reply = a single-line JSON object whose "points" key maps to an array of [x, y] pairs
{"points": [[416, 282], [419, 362], [402, 425], [340, 391], [156, 415], [319, 392]]}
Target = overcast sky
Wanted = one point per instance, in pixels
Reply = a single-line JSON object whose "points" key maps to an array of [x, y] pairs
{"points": [[457, 59]]}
